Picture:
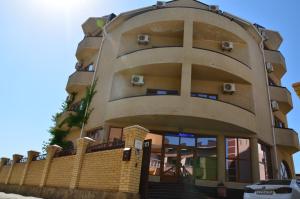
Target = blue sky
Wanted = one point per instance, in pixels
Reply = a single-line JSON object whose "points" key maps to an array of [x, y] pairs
{"points": [[38, 41]]}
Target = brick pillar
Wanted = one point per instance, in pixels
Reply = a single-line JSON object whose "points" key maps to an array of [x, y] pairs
{"points": [[51, 150], [254, 160], [3, 161], [131, 170], [16, 159], [221, 158], [30, 156], [82, 144]]}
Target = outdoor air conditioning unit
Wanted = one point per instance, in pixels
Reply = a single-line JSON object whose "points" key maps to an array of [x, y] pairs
{"points": [[78, 66], [274, 105], [229, 88], [227, 45], [143, 39], [160, 4], [214, 8], [137, 80], [264, 35], [269, 67]]}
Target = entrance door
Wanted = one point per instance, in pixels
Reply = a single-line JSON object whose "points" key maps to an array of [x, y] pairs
{"points": [[177, 164]]}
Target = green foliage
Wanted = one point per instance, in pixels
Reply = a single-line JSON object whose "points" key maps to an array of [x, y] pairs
{"points": [[76, 119]]}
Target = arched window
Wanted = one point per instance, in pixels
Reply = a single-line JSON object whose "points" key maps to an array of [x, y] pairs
{"points": [[285, 172]]}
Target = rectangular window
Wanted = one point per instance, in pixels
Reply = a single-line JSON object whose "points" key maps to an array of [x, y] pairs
{"points": [[205, 95], [238, 156], [265, 163], [278, 123], [205, 166], [115, 134], [96, 134], [155, 158], [161, 92]]}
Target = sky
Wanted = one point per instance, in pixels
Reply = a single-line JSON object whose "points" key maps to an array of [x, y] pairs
{"points": [[38, 41]]}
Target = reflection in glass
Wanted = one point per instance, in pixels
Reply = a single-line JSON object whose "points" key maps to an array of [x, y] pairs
{"points": [[284, 170], [238, 166], [173, 140], [155, 158], [115, 134], [186, 162], [264, 158], [170, 161], [206, 158], [187, 141]]}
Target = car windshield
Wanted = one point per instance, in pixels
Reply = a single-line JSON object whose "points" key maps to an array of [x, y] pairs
{"points": [[275, 182]]}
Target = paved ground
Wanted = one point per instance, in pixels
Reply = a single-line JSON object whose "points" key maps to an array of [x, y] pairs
{"points": [[14, 196]]}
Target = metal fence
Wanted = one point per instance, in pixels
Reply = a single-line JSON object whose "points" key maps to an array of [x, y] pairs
{"points": [[105, 146]]}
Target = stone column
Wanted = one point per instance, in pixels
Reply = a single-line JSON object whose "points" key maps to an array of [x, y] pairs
{"points": [[221, 158], [16, 158], [51, 150], [188, 34], [131, 170], [254, 160], [30, 156], [186, 80], [82, 144]]}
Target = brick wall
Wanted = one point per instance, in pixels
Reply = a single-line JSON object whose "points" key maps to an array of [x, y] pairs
{"points": [[60, 172], [17, 173], [101, 170], [3, 173], [34, 173]]}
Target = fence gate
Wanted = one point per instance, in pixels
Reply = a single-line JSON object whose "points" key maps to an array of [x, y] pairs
{"points": [[145, 169]]}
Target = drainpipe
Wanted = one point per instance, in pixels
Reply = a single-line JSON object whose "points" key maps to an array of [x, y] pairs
{"points": [[97, 63], [270, 107]]}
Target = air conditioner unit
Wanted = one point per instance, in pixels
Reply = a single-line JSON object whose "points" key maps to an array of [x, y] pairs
{"points": [[78, 66], [264, 35], [137, 80], [229, 88], [274, 105], [227, 45], [269, 67], [143, 39], [160, 4], [214, 8]]}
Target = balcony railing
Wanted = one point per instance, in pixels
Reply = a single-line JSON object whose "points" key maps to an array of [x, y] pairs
{"points": [[105, 146], [66, 152]]}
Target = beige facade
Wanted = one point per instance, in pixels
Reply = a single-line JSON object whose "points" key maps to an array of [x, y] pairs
{"points": [[236, 136], [184, 55]]}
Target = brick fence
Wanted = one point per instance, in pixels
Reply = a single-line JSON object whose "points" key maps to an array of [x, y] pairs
{"points": [[87, 174]]}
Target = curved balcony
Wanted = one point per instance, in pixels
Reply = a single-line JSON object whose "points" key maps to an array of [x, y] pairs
{"points": [[176, 111], [273, 39], [88, 47], [79, 80], [277, 60], [287, 138], [283, 96], [205, 57]]}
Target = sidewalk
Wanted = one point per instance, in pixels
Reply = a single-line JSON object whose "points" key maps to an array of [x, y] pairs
{"points": [[14, 196]]}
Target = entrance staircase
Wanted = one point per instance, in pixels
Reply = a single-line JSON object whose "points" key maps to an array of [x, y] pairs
{"points": [[158, 190]]}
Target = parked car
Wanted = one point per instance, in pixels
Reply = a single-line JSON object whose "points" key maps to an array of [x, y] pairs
{"points": [[273, 189]]}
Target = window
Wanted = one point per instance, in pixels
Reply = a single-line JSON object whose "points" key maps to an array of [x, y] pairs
{"points": [[205, 166], [265, 163], [161, 92], [278, 123], [238, 166], [96, 134], [183, 139], [285, 172], [271, 82], [205, 95], [115, 134], [155, 158]]}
